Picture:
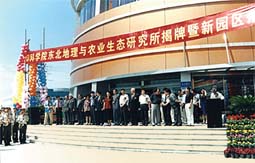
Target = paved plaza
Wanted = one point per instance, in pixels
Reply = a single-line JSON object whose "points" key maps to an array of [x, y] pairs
{"points": [[49, 153]]}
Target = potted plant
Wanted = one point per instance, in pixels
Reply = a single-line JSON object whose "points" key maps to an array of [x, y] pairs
{"points": [[227, 152], [242, 104]]}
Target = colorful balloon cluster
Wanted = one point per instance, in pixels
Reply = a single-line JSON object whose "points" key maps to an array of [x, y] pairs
{"points": [[32, 79], [33, 101], [26, 98], [42, 82], [42, 74], [43, 94], [20, 77]]}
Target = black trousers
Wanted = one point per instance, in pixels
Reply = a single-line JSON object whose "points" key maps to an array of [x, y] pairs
{"points": [[81, 117], [92, 113], [133, 116], [124, 115], [7, 134], [116, 116], [59, 119], [177, 115], [22, 134], [1, 134], [167, 116], [15, 130], [144, 114], [98, 117], [197, 113], [71, 116]]}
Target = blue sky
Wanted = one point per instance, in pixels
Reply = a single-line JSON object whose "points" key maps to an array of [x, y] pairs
{"points": [[59, 19]]}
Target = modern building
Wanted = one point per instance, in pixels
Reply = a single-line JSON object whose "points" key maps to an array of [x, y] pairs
{"points": [[202, 63], [61, 92]]}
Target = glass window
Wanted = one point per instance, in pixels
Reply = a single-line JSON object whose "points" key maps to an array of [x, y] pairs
{"points": [[109, 4], [88, 11], [123, 2]]}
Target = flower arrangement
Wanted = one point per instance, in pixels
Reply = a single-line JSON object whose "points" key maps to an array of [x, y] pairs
{"points": [[241, 136], [241, 128]]}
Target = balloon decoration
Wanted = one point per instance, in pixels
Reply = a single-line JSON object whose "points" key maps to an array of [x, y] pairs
{"points": [[26, 98], [20, 78], [42, 74], [42, 82], [32, 79], [34, 101]]}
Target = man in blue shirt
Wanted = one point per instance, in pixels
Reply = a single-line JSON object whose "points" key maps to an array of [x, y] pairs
{"points": [[48, 111]]}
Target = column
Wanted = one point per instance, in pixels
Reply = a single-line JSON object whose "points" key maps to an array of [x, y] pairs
{"points": [[94, 86], [75, 92], [185, 80], [97, 7]]}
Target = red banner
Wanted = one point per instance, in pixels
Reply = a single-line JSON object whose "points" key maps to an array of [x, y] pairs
{"points": [[179, 32]]}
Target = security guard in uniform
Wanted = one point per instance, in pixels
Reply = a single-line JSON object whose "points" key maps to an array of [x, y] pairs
{"points": [[22, 120], [15, 127], [7, 126]]}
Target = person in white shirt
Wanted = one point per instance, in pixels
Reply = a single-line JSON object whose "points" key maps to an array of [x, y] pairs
{"points": [[6, 120], [216, 95], [48, 111], [144, 100], [15, 125], [124, 100], [22, 120]]}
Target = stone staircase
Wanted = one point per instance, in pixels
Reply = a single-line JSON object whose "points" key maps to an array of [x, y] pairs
{"points": [[188, 140]]}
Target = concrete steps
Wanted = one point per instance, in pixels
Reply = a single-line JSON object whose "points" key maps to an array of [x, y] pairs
{"points": [[197, 139]]}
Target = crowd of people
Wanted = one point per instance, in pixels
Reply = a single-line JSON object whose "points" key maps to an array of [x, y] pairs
{"points": [[167, 108], [13, 125]]}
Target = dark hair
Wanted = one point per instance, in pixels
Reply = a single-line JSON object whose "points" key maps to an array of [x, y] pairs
{"points": [[168, 90], [164, 89], [115, 90], [92, 92], [122, 89], [99, 92], [57, 96], [47, 96], [155, 90]]}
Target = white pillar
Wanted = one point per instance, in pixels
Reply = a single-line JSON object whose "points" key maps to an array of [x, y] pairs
{"points": [[75, 92], [185, 80], [94, 86], [97, 11]]}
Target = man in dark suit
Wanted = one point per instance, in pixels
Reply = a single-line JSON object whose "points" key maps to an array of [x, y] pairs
{"points": [[80, 109], [98, 108], [72, 109], [134, 105]]}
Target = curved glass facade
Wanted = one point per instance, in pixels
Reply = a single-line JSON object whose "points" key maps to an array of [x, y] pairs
{"points": [[88, 10]]}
